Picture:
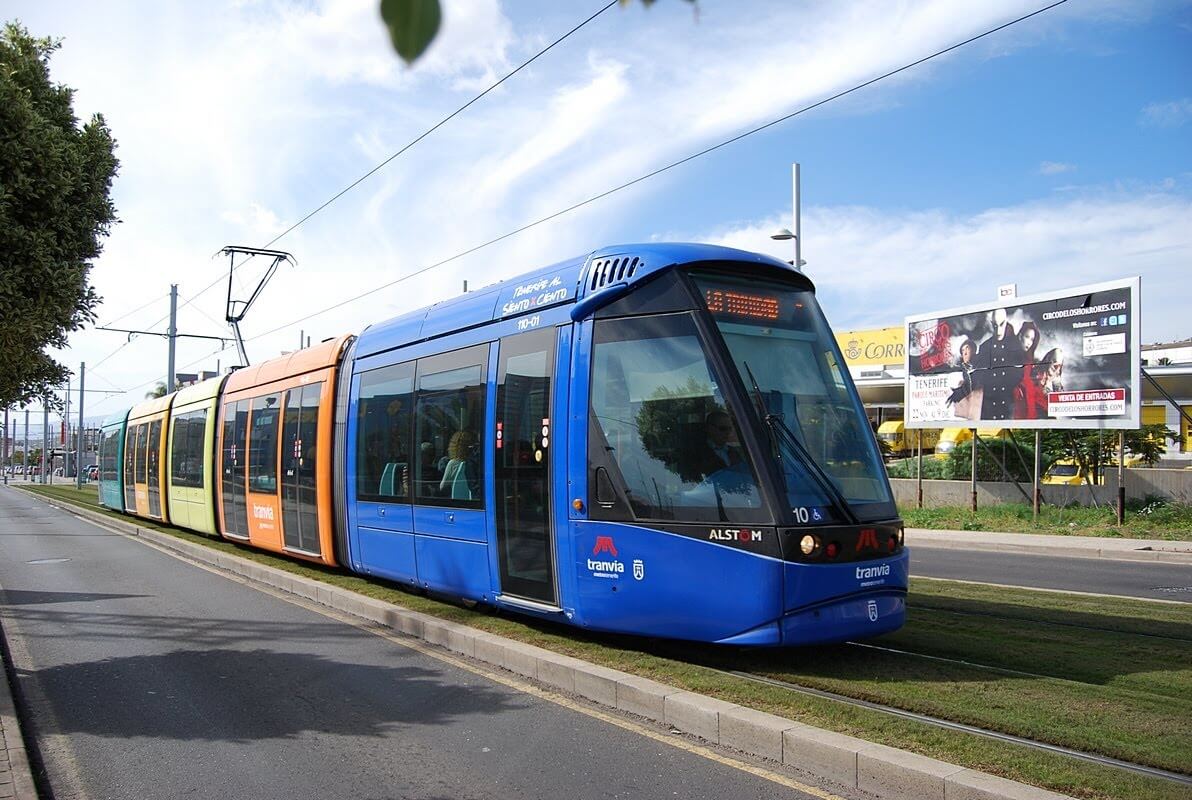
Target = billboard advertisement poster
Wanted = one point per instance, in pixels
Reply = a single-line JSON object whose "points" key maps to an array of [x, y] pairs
{"points": [[1067, 359]]}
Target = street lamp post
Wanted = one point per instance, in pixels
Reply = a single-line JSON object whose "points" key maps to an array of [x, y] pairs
{"points": [[785, 234]]}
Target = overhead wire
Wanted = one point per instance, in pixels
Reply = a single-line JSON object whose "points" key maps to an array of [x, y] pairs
{"points": [[627, 184], [130, 313], [658, 171], [418, 139]]}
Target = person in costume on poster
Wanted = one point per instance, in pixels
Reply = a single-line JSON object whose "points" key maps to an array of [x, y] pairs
{"points": [[999, 367], [969, 403]]}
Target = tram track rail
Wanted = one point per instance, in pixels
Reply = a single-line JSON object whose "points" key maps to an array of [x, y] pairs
{"points": [[1093, 758]]}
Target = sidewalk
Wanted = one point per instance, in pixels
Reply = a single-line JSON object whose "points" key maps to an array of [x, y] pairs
{"points": [[1042, 544], [16, 779]]}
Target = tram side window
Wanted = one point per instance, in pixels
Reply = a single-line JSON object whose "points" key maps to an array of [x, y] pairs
{"points": [[661, 426], [262, 444], [450, 427], [108, 458], [383, 434], [186, 452]]}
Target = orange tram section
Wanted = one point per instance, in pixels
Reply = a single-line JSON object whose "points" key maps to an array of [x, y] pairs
{"points": [[274, 452], [250, 452]]}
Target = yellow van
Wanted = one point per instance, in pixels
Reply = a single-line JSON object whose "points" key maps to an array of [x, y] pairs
{"points": [[950, 437], [902, 441]]}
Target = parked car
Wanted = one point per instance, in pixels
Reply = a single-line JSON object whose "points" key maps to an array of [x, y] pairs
{"points": [[92, 472]]}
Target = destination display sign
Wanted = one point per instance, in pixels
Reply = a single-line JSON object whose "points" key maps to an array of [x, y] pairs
{"points": [[1066, 359]]}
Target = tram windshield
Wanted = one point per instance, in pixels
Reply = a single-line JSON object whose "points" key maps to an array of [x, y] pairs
{"points": [[792, 371], [661, 424]]}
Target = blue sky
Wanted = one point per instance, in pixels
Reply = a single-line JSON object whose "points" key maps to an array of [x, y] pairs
{"points": [[1055, 153]]}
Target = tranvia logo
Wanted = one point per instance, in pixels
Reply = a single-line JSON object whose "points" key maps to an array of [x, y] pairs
{"points": [[604, 544], [610, 568]]}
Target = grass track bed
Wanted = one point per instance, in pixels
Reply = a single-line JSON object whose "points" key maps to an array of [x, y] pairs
{"points": [[1105, 687], [1170, 521]]}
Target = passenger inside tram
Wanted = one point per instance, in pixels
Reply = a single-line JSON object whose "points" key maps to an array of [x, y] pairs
{"points": [[459, 473]]}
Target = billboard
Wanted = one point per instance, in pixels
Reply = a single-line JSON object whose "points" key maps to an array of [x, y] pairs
{"points": [[1067, 359], [879, 347]]}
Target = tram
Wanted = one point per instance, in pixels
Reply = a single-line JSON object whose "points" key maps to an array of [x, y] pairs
{"points": [[655, 439]]}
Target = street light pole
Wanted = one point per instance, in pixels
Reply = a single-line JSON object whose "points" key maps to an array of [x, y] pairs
{"points": [[784, 234], [79, 452], [798, 216], [46, 462], [173, 334]]}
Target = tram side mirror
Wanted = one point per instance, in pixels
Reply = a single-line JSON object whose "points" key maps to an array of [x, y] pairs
{"points": [[605, 494]]}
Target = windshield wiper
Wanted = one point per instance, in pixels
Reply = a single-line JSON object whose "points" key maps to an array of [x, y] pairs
{"points": [[780, 431]]}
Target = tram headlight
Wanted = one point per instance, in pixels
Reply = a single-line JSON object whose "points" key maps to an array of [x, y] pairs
{"points": [[809, 544]]}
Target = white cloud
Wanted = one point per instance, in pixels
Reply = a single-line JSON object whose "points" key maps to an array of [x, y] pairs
{"points": [[1055, 167], [873, 267], [573, 113], [258, 222], [1168, 115]]}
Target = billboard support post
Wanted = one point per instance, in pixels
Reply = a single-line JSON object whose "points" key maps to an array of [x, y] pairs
{"points": [[973, 480], [1121, 493], [919, 470], [1038, 462]]}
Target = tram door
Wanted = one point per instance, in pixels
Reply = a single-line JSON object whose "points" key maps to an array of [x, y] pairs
{"points": [[235, 509], [523, 446], [153, 460], [299, 491], [130, 455]]}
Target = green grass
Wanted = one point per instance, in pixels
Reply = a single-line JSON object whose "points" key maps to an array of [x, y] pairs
{"points": [[1108, 675], [1169, 521]]}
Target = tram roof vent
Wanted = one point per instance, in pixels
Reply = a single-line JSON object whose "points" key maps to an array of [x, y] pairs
{"points": [[606, 271]]}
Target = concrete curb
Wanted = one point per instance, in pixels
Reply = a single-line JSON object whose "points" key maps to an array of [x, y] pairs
{"points": [[1043, 549], [16, 776], [882, 771]]}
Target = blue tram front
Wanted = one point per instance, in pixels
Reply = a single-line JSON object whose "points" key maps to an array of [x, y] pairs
{"points": [[657, 439]]}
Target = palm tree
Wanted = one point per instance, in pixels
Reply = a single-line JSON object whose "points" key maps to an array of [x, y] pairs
{"points": [[158, 391]]}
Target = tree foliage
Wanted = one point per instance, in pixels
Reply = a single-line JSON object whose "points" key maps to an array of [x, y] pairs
{"points": [[1096, 451], [55, 181]]}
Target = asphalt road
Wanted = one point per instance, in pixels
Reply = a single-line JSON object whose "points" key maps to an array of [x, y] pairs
{"points": [[1154, 580], [144, 676]]}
